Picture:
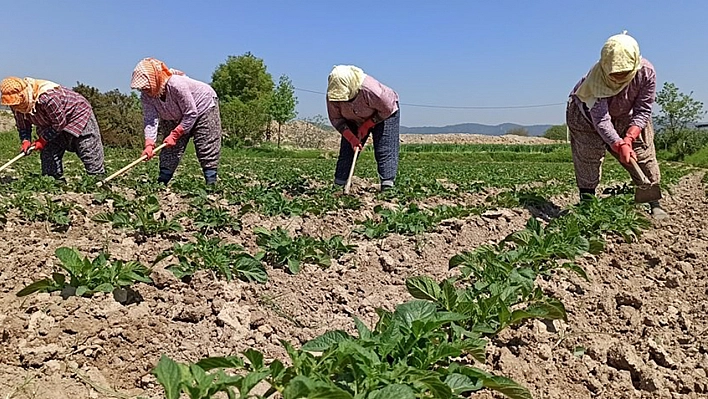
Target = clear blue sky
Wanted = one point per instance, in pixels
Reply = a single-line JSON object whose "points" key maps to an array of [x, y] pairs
{"points": [[458, 53]]}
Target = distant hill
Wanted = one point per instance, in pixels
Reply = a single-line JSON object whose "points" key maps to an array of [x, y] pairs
{"points": [[475, 128]]}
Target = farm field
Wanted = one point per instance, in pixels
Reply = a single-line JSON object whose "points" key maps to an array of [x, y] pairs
{"points": [[479, 261]]}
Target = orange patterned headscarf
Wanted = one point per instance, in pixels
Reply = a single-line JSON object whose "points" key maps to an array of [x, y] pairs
{"points": [[22, 94], [151, 75]]}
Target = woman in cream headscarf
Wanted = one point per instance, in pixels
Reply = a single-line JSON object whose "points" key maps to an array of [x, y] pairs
{"points": [[186, 108], [358, 104], [611, 107], [64, 121]]}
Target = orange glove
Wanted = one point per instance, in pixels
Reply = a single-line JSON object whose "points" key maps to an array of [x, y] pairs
{"points": [[365, 127], [26, 145], [632, 134], [39, 144], [625, 151], [149, 148], [171, 140], [352, 139]]}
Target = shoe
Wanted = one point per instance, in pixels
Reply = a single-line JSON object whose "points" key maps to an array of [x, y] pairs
{"points": [[659, 214]]}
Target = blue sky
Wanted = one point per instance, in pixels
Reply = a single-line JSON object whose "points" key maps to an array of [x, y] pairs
{"points": [[444, 53]]}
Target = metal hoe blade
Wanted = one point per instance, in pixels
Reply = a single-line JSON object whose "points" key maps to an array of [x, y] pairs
{"points": [[646, 192]]}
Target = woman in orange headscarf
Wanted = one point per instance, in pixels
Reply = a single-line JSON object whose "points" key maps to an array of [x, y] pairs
{"points": [[64, 121], [189, 108]]}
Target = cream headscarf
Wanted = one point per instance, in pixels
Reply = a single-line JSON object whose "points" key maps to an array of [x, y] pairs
{"points": [[344, 82], [22, 94], [619, 54]]}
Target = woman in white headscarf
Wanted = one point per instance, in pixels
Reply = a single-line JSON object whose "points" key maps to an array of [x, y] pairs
{"points": [[611, 108], [357, 105]]}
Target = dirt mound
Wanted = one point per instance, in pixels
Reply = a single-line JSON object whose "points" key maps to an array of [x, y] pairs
{"points": [[304, 134], [7, 121], [463, 138]]}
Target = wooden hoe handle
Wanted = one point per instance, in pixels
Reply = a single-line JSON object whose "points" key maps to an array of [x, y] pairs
{"points": [[348, 186], [129, 166]]}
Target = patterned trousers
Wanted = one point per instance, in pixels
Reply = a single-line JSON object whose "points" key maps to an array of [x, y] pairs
{"points": [[589, 149], [87, 146], [386, 146], [206, 133]]}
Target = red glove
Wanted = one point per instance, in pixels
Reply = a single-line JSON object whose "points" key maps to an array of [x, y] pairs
{"points": [[149, 148], [171, 140], [39, 144], [365, 127], [624, 151], [352, 139], [26, 144], [632, 134]]}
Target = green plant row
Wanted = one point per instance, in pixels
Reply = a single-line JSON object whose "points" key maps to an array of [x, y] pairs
{"points": [[428, 347]]}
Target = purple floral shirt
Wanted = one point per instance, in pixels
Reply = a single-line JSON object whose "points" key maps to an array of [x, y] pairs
{"points": [[374, 101], [632, 104], [186, 100]]}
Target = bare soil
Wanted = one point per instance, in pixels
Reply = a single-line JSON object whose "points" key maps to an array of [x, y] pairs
{"points": [[637, 329]]}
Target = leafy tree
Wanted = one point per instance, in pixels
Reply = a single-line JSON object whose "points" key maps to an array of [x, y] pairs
{"points": [[518, 131], [244, 86], [678, 112], [244, 122], [556, 132], [282, 105], [244, 77], [119, 115]]}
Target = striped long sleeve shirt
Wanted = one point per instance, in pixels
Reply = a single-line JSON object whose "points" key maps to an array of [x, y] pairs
{"points": [[633, 103], [57, 110], [185, 100]]}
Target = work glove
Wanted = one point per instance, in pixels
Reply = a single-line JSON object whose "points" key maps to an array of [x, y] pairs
{"points": [[365, 127], [632, 134], [149, 148], [171, 140], [39, 144], [625, 152], [26, 145], [352, 139]]}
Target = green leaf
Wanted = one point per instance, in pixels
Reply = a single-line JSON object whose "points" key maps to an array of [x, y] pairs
{"points": [[329, 393], [362, 329], [326, 340], [211, 363], [105, 287], [44, 285], [70, 258], [397, 391], [412, 311], [59, 279], [460, 383], [577, 269], [169, 376], [255, 358], [502, 385], [81, 290], [294, 266], [298, 387], [424, 287]]}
